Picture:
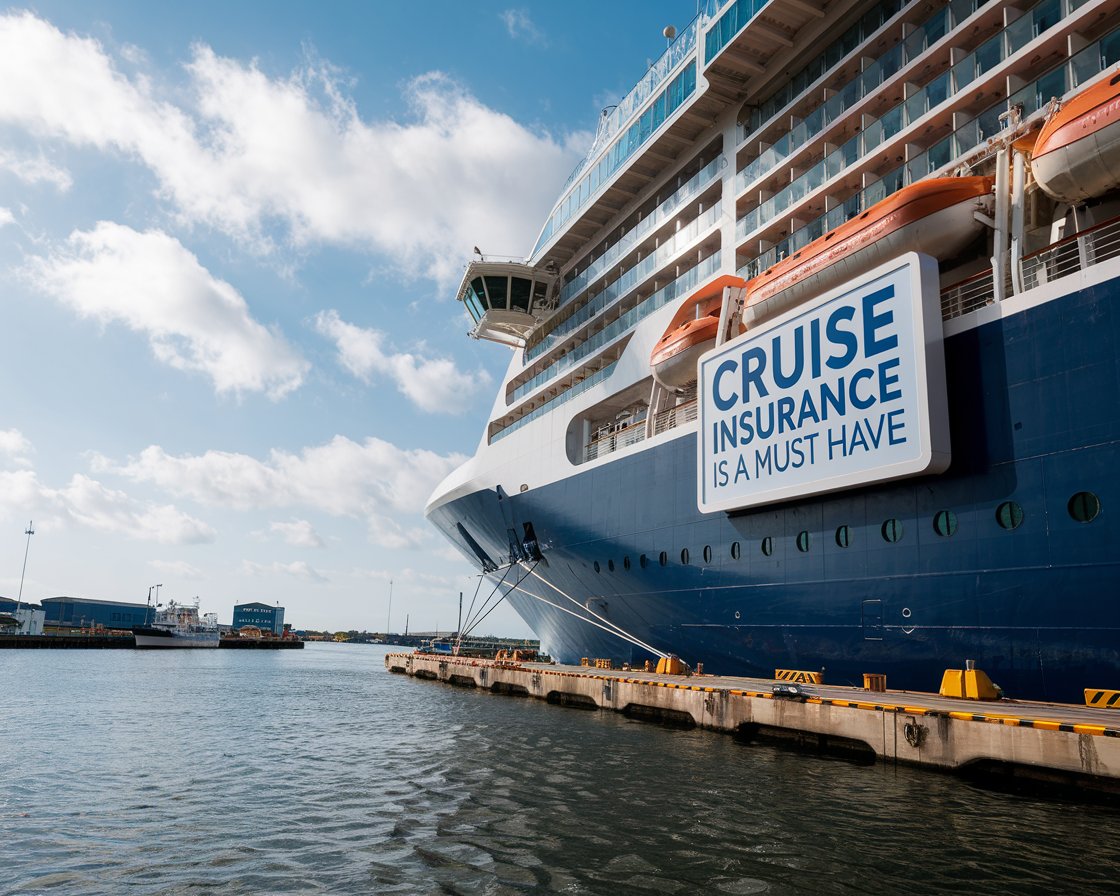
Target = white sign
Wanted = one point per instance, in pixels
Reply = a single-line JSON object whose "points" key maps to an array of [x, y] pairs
{"points": [[842, 392]]}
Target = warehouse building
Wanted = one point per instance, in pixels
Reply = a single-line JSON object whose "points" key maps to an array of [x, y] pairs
{"points": [[81, 612], [266, 618]]}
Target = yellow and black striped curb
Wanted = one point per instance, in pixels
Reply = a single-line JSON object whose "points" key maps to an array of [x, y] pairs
{"points": [[991, 718]]}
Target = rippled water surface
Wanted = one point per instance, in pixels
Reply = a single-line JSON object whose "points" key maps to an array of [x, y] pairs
{"points": [[317, 771]]}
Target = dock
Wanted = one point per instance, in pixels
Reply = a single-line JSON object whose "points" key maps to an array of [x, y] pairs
{"points": [[127, 642], [1057, 743]]}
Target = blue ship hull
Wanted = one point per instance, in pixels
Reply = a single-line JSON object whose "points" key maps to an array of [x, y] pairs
{"points": [[1035, 419]]}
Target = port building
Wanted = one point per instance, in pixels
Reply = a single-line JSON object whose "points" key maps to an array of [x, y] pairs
{"points": [[81, 612], [265, 617]]}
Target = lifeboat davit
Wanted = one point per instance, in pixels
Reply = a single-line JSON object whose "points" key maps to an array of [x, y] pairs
{"points": [[691, 332], [934, 216], [1077, 153]]}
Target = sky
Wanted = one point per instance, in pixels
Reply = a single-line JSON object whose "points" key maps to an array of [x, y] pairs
{"points": [[230, 239]]}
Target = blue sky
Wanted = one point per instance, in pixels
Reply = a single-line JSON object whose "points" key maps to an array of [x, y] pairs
{"points": [[230, 236]]}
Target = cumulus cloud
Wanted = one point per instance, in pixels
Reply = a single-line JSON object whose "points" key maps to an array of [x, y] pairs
{"points": [[154, 285], [246, 151], [432, 384], [298, 534], [87, 503], [35, 170], [372, 479], [178, 568], [297, 570], [521, 27], [6, 216], [14, 446]]}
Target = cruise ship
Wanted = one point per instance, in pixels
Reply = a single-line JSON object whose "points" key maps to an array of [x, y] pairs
{"points": [[813, 362]]}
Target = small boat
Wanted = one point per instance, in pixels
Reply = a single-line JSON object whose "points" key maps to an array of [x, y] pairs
{"points": [[1077, 153], [935, 216], [691, 332], [178, 626]]}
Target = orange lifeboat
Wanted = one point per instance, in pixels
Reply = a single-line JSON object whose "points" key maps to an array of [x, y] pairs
{"points": [[691, 332], [934, 216], [1077, 153]]}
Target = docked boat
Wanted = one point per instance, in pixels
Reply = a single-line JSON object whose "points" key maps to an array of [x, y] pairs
{"points": [[814, 361], [178, 625]]}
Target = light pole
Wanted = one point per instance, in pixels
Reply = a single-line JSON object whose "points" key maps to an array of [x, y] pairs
{"points": [[389, 617], [29, 532]]}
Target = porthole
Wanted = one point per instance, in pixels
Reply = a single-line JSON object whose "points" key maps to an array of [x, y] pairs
{"points": [[803, 541], [892, 531], [597, 567], [1009, 515], [684, 556], [643, 561], [663, 559], [1084, 507], [768, 545], [843, 536], [906, 614], [625, 562], [738, 614], [734, 550], [610, 565], [707, 553], [945, 523]]}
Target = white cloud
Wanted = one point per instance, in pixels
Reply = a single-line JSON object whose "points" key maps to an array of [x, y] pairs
{"points": [[154, 285], [177, 568], [521, 27], [341, 477], [87, 503], [432, 384], [36, 170], [13, 444], [298, 534], [298, 570], [388, 533], [6, 216], [251, 151]]}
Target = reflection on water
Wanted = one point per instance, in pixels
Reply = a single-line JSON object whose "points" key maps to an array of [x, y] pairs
{"points": [[318, 771]]}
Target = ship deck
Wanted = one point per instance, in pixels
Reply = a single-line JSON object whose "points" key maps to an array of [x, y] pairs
{"points": [[1071, 744]]}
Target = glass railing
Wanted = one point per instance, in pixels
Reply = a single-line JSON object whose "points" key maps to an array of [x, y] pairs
{"points": [[657, 217], [581, 386], [690, 279], [612, 158], [628, 280], [1099, 56], [992, 52]]}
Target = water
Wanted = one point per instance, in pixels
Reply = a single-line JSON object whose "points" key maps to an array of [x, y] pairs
{"points": [[317, 771]]}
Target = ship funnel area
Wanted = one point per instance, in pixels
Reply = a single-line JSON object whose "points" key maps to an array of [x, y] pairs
{"points": [[506, 299]]}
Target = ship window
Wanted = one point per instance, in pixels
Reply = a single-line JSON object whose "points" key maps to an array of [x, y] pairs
{"points": [[625, 562], [1084, 507], [610, 565], [707, 553], [734, 550], [843, 536], [945, 523], [663, 559], [597, 567], [643, 561], [497, 288], [479, 291], [684, 556], [768, 545], [519, 293], [1009, 515], [892, 531], [803, 541]]}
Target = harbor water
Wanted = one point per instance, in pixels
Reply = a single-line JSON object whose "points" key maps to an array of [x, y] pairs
{"points": [[318, 771]]}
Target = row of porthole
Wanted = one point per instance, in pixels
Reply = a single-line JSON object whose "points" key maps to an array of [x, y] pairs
{"points": [[1084, 507]]}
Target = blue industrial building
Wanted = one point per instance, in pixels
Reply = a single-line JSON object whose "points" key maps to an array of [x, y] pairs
{"points": [[77, 612], [266, 618]]}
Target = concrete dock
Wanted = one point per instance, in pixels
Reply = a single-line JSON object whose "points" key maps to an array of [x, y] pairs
{"points": [[1066, 744]]}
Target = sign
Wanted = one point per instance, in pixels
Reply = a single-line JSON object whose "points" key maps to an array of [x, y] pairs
{"points": [[843, 392]]}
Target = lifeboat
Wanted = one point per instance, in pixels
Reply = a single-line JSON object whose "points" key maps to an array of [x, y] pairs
{"points": [[934, 216], [1077, 153], [691, 332]]}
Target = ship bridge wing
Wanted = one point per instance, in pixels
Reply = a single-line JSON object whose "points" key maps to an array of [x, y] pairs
{"points": [[507, 299]]}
